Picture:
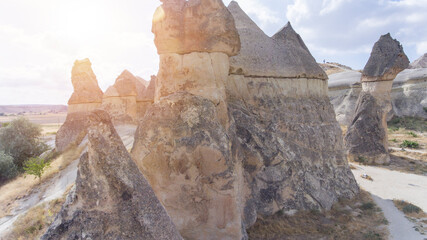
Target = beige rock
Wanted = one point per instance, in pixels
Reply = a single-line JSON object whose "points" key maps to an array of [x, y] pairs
{"points": [[199, 73], [146, 99], [86, 89], [120, 100], [183, 27], [184, 152]]}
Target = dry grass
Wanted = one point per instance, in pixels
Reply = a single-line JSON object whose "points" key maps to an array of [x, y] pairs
{"points": [[414, 214], [47, 118], [358, 218], [50, 129], [34, 223], [23, 186]]}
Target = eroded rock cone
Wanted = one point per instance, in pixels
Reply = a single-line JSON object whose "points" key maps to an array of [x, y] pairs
{"points": [[73, 131], [286, 135], [121, 99], [420, 62], [87, 95], [364, 142], [112, 199]]}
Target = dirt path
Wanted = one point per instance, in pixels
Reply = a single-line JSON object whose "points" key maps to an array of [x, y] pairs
{"points": [[388, 185], [55, 187]]}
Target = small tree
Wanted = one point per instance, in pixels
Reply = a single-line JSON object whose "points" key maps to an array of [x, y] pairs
{"points": [[36, 167], [8, 169], [20, 139]]}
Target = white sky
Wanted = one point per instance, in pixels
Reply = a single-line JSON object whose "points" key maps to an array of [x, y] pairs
{"points": [[39, 40]]}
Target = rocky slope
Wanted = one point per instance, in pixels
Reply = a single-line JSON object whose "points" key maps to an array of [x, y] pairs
{"points": [[366, 138], [111, 199]]}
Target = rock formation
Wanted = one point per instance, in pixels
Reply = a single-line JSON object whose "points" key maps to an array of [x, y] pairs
{"points": [[120, 100], [182, 145], [344, 90], [146, 99], [228, 137], [72, 132], [420, 62], [409, 93], [286, 136], [366, 139], [87, 95], [111, 199]]}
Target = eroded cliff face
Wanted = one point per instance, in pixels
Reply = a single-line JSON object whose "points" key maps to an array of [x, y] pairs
{"points": [[286, 135], [111, 199], [87, 95], [363, 144], [228, 138]]}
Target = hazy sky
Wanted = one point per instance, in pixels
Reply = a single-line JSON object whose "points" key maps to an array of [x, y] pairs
{"points": [[39, 40]]}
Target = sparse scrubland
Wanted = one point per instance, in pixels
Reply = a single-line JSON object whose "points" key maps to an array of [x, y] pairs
{"points": [[414, 213], [358, 218], [35, 221]]}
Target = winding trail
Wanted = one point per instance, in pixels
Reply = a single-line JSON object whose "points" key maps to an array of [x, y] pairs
{"points": [[388, 185]]}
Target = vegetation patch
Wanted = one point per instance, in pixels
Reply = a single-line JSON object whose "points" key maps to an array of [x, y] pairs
{"points": [[409, 144], [409, 123], [358, 218], [414, 213]]}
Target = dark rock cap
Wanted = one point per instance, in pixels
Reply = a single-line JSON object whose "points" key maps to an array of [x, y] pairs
{"points": [[284, 55], [386, 61]]}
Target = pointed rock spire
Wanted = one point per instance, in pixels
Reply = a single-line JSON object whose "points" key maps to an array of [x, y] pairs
{"points": [[386, 61], [288, 35], [86, 88]]}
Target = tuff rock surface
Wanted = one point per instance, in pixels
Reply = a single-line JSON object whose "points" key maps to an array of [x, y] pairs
{"points": [[387, 60], [120, 100], [72, 131], [420, 62], [111, 199], [286, 135], [183, 27], [87, 95], [146, 99], [221, 146], [184, 152], [284, 55]]}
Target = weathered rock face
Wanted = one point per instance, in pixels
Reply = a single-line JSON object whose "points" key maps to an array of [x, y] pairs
{"points": [[284, 55], [72, 131], [344, 90], [183, 27], [87, 95], [219, 149], [409, 93], [146, 99], [420, 62], [286, 136], [112, 199], [386, 61], [182, 143], [120, 100], [183, 150]]}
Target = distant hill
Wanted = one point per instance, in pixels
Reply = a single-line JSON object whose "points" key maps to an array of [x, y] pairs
{"points": [[32, 108]]}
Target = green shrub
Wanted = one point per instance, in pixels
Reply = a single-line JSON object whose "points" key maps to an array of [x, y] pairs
{"points": [[8, 169], [411, 208], [21, 141], [412, 134], [410, 123], [5, 124], [425, 109], [394, 140], [36, 167], [367, 206], [362, 160], [409, 144]]}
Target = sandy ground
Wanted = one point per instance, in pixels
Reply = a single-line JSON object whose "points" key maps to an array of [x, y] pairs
{"points": [[388, 185], [56, 186]]}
